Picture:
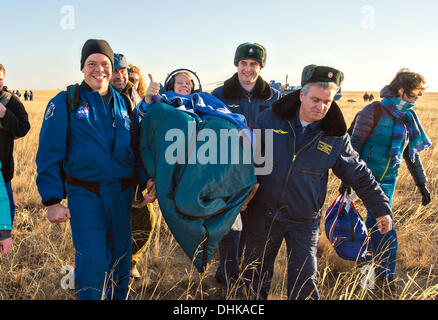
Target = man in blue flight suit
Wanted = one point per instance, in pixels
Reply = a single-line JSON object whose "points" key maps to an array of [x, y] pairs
{"points": [[309, 138], [248, 94], [93, 145]]}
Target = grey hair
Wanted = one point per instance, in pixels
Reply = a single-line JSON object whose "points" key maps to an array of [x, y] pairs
{"points": [[324, 85]]}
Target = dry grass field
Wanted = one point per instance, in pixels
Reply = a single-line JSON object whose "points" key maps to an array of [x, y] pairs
{"points": [[33, 270]]}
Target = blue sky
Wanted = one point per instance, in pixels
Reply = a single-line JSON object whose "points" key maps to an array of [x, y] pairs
{"points": [[368, 40]]}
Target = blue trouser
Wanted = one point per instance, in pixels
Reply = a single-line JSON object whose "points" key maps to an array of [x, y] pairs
{"points": [[264, 239], [383, 246], [228, 269], [230, 252], [101, 232], [11, 200]]}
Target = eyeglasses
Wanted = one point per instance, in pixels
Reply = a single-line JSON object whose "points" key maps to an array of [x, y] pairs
{"points": [[416, 92]]}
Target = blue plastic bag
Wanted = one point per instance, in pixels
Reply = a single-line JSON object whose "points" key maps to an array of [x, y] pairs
{"points": [[345, 229]]}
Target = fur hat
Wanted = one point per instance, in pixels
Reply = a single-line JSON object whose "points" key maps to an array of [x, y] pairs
{"points": [[249, 50], [314, 73]]}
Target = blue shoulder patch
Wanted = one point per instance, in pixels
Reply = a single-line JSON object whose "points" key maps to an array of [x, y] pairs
{"points": [[50, 111]]}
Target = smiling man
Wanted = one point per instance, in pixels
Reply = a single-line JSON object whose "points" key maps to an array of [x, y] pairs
{"points": [[120, 79], [310, 139], [93, 144], [248, 94]]}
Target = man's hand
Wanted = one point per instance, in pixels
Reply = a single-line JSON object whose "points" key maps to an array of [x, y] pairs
{"points": [[384, 224], [57, 213], [6, 245], [152, 90], [344, 187], [2, 110]]}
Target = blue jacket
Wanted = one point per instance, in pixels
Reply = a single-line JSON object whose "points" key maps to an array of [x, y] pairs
{"points": [[375, 150], [372, 139], [95, 146], [296, 188], [250, 104]]}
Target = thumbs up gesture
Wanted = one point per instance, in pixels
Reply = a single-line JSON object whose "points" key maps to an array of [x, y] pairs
{"points": [[152, 90]]}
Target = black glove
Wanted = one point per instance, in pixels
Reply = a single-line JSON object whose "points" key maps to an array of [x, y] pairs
{"points": [[344, 187], [425, 194]]}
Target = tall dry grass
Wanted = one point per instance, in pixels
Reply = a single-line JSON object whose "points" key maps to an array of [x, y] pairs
{"points": [[42, 249]]}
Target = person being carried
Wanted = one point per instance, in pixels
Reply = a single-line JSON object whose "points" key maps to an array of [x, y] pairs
{"points": [[184, 108]]}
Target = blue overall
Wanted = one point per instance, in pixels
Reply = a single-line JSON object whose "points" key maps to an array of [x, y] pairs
{"points": [[95, 147], [101, 232]]}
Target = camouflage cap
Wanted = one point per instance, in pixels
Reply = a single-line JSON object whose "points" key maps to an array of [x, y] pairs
{"points": [[314, 73]]}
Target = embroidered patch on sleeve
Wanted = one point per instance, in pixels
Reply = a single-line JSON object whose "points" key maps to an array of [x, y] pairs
{"points": [[324, 147], [50, 111], [279, 131]]}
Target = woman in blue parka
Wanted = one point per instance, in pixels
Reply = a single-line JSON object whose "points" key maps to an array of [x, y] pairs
{"points": [[384, 134]]}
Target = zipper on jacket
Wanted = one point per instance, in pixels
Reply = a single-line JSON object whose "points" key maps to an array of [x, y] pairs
{"points": [[249, 95], [386, 169]]}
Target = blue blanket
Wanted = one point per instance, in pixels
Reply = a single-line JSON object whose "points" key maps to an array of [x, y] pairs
{"points": [[206, 105]]}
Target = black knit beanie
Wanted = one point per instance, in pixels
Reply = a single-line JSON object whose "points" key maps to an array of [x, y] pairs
{"points": [[96, 46]]}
